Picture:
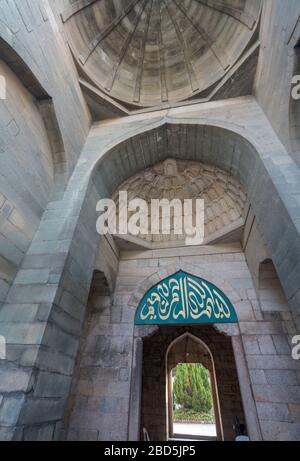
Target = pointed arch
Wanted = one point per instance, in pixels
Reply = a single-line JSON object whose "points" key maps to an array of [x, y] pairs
{"points": [[214, 386], [183, 298]]}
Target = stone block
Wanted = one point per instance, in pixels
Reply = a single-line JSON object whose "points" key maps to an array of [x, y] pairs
{"points": [[119, 436], [39, 434], [128, 315], [6, 434], [290, 328], [245, 283], [124, 374], [258, 377], [266, 345], [282, 345], [116, 314], [280, 431], [44, 311], [261, 328], [4, 289], [64, 321], [244, 311], [282, 377], [7, 270], [48, 360], [32, 276], [251, 345], [58, 431], [60, 341], [272, 362], [22, 333], [10, 410], [19, 313], [32, 294], [273, 412], [52, 385], [86, 387], [14, 379], [113, 405], [87, 436], [295, 412], [41, 410], [72, 305], [276, 393]]}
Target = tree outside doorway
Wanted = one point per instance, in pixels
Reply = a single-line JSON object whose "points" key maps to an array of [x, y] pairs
{"points": [[193, 413]]}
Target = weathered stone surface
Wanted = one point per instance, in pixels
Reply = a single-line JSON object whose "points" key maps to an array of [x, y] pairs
{"points": [[282, 377], [266, 345], [273, 412], [28, 179], [14, 380], [280, 431], [39, 434], [10, 410], [295, 411], [277, 393], [275, 362], [39, 410], [282, 345], [258, 377], [251, 345], [52, 385], [51, 179]]}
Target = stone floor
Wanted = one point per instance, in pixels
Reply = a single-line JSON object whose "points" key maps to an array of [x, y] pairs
{"points": [[195, 429]]}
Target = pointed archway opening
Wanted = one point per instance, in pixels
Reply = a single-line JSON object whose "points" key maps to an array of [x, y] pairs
{"points": [[192, 397], [212, 349]]}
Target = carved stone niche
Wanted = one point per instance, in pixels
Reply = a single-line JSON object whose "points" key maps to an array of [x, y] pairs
{"points": [[223, 195]]}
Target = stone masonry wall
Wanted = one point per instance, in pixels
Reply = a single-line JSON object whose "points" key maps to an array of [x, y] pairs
{"points": [[26, 175], [44, 310], [274, 375], [102, 403], [30, 224], [280, 31], [26, 160], [99, 401]]}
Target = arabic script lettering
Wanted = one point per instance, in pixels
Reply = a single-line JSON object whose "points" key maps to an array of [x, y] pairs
{"points": [[184, 298]]}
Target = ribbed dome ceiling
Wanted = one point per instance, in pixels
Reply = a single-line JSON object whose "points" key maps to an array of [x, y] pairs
{"points": [[149, 52]]}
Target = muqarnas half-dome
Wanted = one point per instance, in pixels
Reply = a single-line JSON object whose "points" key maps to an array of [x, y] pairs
{"points": [[150, 52]]}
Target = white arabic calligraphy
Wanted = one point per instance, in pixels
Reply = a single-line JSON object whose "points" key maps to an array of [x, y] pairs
{"points": [[184, 298]]}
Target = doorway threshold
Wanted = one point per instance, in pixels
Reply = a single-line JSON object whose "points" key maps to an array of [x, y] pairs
{"points": [[192, 438]]}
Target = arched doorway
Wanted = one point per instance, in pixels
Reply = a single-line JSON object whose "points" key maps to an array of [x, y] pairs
{"points": [[183, 309], [193, 409], [155, 412]]}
